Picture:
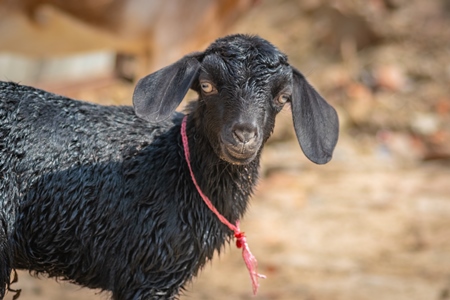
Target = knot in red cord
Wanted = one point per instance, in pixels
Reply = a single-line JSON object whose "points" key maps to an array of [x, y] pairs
{"points": [[240, 239]]}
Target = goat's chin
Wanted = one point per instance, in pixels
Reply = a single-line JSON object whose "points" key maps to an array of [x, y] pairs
{"points": [[233, 157]]}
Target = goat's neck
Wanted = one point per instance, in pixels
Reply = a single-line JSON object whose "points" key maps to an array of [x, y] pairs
{"points": [[228, 186]]}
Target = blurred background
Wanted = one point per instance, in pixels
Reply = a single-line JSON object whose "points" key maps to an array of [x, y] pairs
{"points": [[374, 223]]}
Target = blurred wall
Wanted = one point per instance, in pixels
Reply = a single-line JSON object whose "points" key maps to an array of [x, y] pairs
{"points": [[152, 33]]}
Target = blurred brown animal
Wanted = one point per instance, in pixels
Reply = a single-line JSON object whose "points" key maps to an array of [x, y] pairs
{"points": [[155, 32]]}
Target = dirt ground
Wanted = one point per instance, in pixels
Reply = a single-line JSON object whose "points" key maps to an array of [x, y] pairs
{"points": [[375, 222]]}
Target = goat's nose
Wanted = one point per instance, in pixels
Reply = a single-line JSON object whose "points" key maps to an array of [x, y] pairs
{"points": [[244, 132]]}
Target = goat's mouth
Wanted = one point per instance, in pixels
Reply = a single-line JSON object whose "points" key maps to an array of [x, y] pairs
{"points": [[238, 154]]}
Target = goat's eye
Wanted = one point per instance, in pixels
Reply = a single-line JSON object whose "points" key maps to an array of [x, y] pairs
{"points": [[207, 87], [283, 98]]}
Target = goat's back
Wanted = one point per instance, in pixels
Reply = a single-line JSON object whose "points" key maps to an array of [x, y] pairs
{"points": [[41, 130]]}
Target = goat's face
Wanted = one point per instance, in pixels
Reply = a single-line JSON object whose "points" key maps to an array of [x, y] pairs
{"points": [[242, 85], [243, 82]]}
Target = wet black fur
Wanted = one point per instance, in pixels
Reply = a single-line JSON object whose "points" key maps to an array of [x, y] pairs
{"points": [[101, 195]]}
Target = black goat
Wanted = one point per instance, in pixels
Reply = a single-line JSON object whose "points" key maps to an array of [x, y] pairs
{"points": [[101, 196]]}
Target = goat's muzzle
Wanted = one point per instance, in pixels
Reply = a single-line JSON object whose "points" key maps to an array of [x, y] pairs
{"points": [[241, 143]]}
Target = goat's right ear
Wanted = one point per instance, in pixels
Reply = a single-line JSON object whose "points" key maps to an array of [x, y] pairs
{"points": [[157, 95]]}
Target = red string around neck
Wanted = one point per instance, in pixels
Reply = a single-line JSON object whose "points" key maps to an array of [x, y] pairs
{"points": [[241, 241]]}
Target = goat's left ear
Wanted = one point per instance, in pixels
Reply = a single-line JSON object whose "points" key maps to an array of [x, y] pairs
{"points": [[315, 121], [157, 95]]}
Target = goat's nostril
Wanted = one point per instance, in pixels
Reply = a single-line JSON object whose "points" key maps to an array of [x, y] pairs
{"points": [[244, 134]]}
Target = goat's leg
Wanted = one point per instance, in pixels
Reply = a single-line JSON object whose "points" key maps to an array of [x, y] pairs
{"points": [[5, 259]]}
